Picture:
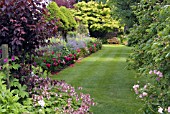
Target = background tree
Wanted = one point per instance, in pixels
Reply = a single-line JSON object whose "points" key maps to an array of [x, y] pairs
{"points": [[23, 26], [97, 16], [122, 11], [55, 13]]}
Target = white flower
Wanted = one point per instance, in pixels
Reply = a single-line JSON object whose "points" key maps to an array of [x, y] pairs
{"points": [[144, 94], [32, 74], [160, 110], [169, 109], [150, 72], [145, 86], [42, 103], [135, 86]]}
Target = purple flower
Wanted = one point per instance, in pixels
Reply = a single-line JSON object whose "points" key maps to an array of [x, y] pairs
{"points": [[5, 60], [13, 58]]}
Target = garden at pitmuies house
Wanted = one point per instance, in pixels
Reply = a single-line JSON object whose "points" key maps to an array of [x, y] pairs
{"points": [[84, 57]]}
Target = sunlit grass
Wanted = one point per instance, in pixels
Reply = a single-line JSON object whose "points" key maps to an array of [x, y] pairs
{"points": [[105, 77]]}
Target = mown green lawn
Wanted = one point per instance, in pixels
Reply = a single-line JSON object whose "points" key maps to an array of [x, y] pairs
{"points": [[105, 77]]}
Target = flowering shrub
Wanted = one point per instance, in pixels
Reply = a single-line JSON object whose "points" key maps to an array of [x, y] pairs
{"points": [[151, 40], [56, 61], [154, 94], [52, 96]]}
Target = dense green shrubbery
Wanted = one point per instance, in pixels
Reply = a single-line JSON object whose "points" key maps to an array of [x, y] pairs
{"points": [[151, 41]]}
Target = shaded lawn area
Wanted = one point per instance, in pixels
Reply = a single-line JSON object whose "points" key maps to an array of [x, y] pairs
{"points": [[105, 77]]}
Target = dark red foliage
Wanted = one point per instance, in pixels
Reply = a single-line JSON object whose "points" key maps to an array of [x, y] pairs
{"points": [[66, 3], [23, 26]]}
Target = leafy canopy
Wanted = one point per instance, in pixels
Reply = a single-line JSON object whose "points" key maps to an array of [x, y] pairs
{"points": [[96, 15]]}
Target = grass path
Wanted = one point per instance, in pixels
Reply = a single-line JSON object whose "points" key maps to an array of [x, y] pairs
{"points": [[104, 76]]}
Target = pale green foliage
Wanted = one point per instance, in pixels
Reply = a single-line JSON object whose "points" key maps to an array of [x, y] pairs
{"points": [[55, 13], [96, 15], [72, 22], [9, 100]]}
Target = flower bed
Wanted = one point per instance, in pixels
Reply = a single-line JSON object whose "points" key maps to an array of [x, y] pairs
{"points": [[59, 55], [35, 94]]}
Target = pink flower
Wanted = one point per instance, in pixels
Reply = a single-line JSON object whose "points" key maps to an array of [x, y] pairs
{"points": [[144, 94], [54, 59], [160, 75], [59, 61], [94, 45], [5, 60], [52, 53], [70, 55], [48, 65], [55, 64], [135, 86], [78, 50], [140, 96], [145, 86], [150, 72], [155, 71], [13, 58]]}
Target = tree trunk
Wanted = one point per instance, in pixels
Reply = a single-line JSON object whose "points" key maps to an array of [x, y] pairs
{"points": [[64, 35]]}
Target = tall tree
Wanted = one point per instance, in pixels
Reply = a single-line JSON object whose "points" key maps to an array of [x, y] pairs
{"points": [[97, 16], [122, 11]]}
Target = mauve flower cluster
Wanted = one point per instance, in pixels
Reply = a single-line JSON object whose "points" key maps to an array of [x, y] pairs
{"points": [[158, 73], [46, 89], [143, 93], [75, 44]]}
